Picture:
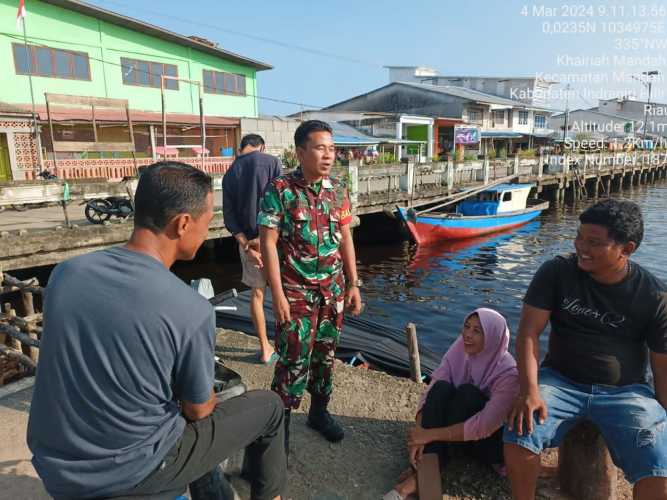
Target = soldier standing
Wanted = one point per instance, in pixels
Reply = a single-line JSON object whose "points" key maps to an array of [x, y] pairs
{"points": [[310, 262]]}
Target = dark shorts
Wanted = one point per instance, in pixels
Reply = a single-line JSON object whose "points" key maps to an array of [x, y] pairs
{"points": [[630, 418]]}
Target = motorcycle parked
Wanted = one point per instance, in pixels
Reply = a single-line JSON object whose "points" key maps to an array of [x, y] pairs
{"points": [[100, 210]]}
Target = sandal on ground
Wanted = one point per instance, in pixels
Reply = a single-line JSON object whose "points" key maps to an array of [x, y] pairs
{"points": [[392, 495]]}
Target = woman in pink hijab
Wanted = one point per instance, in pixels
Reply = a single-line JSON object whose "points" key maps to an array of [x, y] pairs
{"points": [[469, 396]]}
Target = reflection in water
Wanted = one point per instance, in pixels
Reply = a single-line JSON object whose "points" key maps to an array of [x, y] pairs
{"points": [[435, 286]]}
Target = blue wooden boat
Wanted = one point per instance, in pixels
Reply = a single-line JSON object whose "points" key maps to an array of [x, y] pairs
{"points": [[497, 208]]}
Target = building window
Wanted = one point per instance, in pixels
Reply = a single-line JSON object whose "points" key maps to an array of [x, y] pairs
{"points": [[474, 115], [218, 82], [497, 117], [55, 63], [540, 121], [148, 74], [523, 117]]}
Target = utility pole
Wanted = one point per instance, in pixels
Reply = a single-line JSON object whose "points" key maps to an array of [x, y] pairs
{"points": [[649, 77], [567, 111]]}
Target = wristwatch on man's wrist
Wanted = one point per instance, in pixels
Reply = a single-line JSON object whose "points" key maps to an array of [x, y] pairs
{"points": [[358, 283]]}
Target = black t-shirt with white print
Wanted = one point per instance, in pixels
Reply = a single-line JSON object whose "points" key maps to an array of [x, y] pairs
{"points": [[600, 333]]}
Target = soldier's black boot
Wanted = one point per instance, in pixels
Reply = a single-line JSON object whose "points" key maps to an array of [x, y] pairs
{"points": [[321, 420]]}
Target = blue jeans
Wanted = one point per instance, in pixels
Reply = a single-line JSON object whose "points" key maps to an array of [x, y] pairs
{"points": [[631, 420]]}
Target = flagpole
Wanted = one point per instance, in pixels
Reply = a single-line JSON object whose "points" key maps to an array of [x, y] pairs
{"points": [[32, 93]]}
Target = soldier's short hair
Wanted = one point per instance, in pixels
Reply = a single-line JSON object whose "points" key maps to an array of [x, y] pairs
{"points": [[304, 130]]}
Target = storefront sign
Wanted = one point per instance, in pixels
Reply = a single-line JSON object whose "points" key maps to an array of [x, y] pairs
{"points": [[466, 135]]}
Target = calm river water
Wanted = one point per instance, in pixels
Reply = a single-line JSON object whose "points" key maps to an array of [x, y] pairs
{"points": [[434, 287]]}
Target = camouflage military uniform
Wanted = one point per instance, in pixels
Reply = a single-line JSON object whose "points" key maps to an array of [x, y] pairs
{"points": [[308, 220]]}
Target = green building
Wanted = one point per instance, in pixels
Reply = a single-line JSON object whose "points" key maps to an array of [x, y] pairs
{"points": [[82, 50]]}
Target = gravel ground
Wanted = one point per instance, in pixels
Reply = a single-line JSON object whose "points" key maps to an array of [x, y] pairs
{"points": [[376, 409]]}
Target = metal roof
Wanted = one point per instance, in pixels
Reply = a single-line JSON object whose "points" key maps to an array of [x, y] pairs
{"points": [[149, 29], [346, 135], [483, 77], [472, 95], [595, 111]]}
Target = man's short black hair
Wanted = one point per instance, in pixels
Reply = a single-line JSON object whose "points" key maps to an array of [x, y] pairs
{"points": [[254, 140], [167, 189], [304, 130], [622, 218]]}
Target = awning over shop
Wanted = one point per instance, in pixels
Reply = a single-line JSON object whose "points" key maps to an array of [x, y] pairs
{"points": [[347, 135], [62, 114]]}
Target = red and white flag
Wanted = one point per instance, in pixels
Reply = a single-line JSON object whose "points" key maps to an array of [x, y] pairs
{"points": [[20, 14]]}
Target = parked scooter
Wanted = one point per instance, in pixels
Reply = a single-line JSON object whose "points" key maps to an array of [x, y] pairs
{"points": [[100, 210]]}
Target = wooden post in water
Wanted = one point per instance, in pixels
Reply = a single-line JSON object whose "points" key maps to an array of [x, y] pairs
{"points": [[413, 349]]}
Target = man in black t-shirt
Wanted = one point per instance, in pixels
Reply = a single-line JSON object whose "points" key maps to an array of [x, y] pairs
{"points": [[608, 319]]}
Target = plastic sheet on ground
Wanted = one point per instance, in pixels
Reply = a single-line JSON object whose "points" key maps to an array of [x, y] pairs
{"points": [[385, 348]]}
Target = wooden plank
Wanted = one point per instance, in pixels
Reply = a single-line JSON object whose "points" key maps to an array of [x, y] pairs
{"points": [[429, 483], [74, 146], [100, 102]]}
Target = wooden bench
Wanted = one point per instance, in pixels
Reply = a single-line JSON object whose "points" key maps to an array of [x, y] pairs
{"points": [[585, 468]]}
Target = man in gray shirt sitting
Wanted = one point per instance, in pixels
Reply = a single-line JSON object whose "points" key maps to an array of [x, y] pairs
{"points": [[123, 401]]}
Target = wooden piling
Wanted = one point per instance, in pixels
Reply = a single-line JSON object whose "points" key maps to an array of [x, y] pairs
{"points": [[413, 350], [429, 481], [585, 468]]}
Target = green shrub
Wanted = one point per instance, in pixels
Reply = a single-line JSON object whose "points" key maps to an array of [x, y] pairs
{"points": [[386, 158], [527, 153], [289, 158]]}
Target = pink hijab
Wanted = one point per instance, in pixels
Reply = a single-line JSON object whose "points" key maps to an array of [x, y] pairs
{"points": [[481, 370]]}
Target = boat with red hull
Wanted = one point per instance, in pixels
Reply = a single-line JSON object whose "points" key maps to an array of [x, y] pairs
{"points": [[498, 208]]}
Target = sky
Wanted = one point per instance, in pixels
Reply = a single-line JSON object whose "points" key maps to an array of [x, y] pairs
{"points": [[326, 52]]}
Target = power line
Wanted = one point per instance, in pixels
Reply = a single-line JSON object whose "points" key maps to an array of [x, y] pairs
{"points": [[271, 41], [110, 63]]}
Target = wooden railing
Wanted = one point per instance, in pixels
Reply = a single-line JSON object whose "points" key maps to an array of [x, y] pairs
{"points": [[114, 169], [369, 185]]}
